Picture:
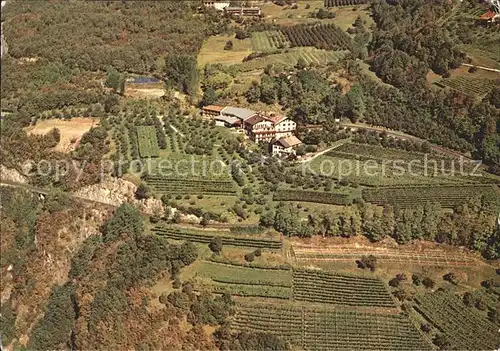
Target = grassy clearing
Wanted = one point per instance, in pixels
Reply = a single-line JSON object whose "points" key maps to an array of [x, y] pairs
{"points": [[213, 51], [71, 130], [481, 57], [284, 15], [346, 15]]}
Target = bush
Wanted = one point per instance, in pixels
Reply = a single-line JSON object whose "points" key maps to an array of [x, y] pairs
{"points": [[416, 279], [428, 283], [450, 277], [257, 252], [250, 257], [367, 262], [216, 245], [229, 45]]}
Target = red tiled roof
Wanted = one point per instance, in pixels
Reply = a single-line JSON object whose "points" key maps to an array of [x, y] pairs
{"points": [[274, 117], [254, 120], [488, 15], [213, 108]]}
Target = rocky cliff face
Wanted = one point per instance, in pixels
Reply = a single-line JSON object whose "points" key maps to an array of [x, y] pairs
{"points": [[11, 175], [115, 191]]}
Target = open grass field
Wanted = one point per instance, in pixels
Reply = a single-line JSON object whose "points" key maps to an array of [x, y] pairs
{"points": [[71, 130], [147, 141], [316, 328], [346, 15], [213, 51], [285, 15]]}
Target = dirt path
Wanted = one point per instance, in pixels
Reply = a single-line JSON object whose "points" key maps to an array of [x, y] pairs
{"points": [[337, 144], [482, 67], [176, 130]]}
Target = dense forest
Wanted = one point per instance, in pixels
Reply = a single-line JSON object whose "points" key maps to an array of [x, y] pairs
{"points": [[59, 50], [97, 295]]}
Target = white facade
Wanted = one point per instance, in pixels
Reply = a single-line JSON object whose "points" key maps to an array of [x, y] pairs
{"points": [[218, 5], [285, 128]]}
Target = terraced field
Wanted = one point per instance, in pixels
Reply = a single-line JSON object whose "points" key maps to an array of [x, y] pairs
{"points": [[463, 327], [468, 85], [426, 257], [324, 287], [268, 41], [313, 196], [447, 196], [205, 237], [291, 56], [323, 329], [186, 186], [148, 143], [232, 274]]}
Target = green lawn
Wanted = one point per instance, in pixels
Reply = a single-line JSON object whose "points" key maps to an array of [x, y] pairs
{"points": [[213, 51]]}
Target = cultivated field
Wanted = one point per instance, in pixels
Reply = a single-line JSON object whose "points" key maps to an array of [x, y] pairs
{"points": [[373, 165], [205, 237], [463, 327], [447, 196], [247, 281], [322, 287], [71, 130], [268, 41], [310, 253], [313, 196], [321, 36], [322, 329], [469, 85], [148, 143], [290, 57]]}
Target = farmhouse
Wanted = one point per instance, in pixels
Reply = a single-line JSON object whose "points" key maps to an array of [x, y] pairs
{"points": [[237, 112], [218, 5], [211, 110], [259, 126], [259, 129], [285, 145], [283, 126], [227, 121], [243, 11]]}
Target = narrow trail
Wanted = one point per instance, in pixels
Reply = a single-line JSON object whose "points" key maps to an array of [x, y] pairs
{"points": [[482, 67], [340, 143]]}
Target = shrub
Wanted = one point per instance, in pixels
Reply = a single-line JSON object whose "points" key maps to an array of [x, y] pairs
{"points": [[216, 245], [367, 262], [428, 282], [250, 257]]}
